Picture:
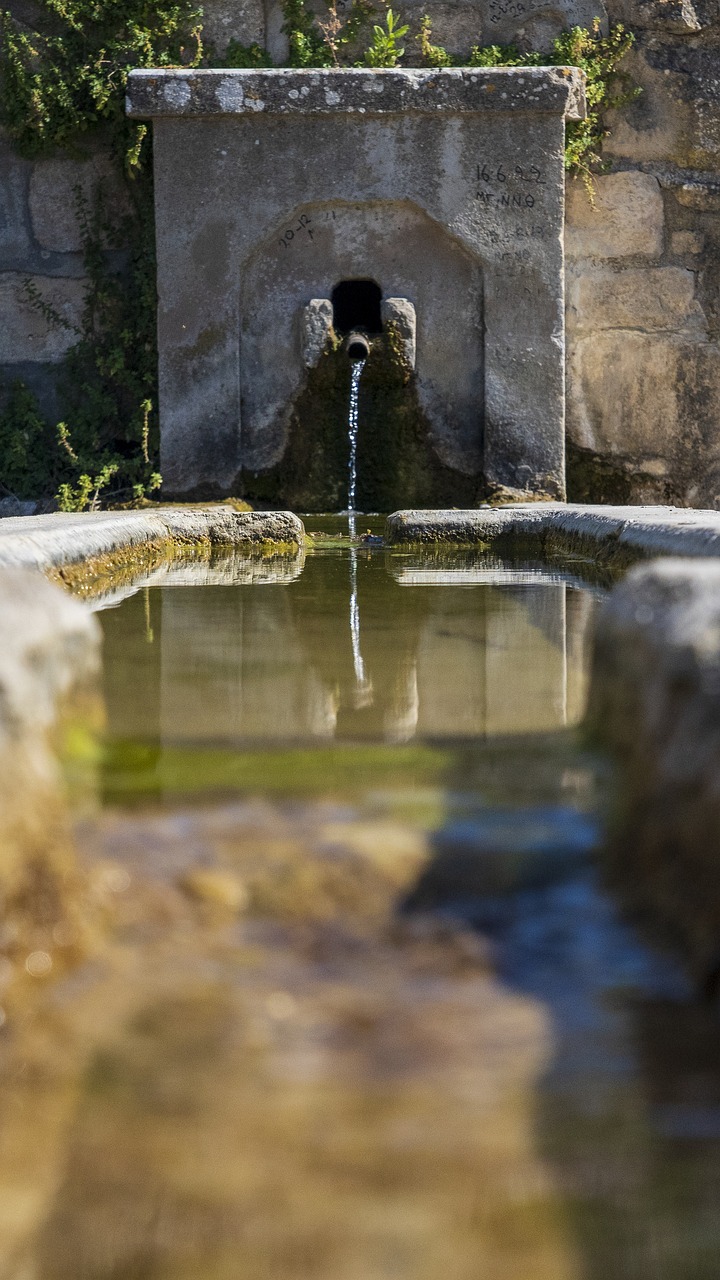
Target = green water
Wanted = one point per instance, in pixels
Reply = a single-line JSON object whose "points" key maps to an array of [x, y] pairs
{"points": [[366, 1009]]}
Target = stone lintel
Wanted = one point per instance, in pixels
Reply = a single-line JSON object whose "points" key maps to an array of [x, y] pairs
{"points": [[155, 93]]}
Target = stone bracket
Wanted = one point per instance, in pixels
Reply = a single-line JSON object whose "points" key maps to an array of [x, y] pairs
{"points": [[316, 326], [400, 313]]}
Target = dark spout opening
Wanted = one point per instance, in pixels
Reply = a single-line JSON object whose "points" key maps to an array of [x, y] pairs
{"points": [[357, 347]]}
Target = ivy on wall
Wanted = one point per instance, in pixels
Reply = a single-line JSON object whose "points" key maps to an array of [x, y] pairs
{"points": [[58, 87], [66, 82]]}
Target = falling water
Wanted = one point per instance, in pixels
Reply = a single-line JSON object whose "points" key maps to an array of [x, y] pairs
{"points": [[357, 368], [363, 686]]}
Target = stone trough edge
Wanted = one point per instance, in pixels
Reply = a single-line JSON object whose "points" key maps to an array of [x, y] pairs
{"points": [[654, 698], [622, 533], [53, 541]]}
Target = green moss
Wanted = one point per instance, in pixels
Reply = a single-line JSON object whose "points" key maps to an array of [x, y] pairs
{"points": [[397, 465]]}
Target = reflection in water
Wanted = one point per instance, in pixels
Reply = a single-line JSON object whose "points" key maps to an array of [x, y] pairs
{"points": [[363, 687], [272, 663]]}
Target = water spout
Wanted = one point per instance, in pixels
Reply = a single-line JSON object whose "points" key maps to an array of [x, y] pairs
{"points": [[357, 346]]}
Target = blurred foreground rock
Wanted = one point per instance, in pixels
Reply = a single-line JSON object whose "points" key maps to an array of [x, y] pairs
{"points": [[49, 664], [655, 699]]}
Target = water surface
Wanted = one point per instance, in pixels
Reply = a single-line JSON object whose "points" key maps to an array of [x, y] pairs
{"points": [[366, 1009]]}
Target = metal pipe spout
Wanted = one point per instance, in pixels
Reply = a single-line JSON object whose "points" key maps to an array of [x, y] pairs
{"points": [[357, 346]]}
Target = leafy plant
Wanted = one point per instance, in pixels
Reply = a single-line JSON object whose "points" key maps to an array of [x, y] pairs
{"points": [[243, 56], [108, 381], [323, 42], [503, 55], [61, 82], [85, 496], [431, 55], [29, 462], [384, 50], [605, 87], [57, 85]]}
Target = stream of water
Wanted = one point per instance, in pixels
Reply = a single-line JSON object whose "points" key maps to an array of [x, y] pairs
{"points": [[353, 419]]}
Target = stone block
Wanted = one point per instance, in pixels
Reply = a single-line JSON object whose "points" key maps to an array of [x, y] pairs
{"points": [[28, 335], [401, 314], [660, 126], [226, 20], [682, 242], [626, 219], [703, 197], [156, 94], [316, 329], [15, 239], [651, 298], [624, 392], [54, 187]]}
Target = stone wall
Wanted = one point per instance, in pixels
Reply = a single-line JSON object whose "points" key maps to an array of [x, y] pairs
{"points": [[643, 269], [643, 274], [41, 247]]}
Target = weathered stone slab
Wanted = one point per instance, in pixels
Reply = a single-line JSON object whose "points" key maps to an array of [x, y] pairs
{"points": [[54, 188], [626, 218], [638, 410], [51, 541], [616, 531], [445, 187], [26, 334], [15, 238], [651, 298], [287, 91]]}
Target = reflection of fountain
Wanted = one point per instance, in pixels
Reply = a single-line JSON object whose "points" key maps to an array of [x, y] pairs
{"points": [[267, 661], [223, 568]]}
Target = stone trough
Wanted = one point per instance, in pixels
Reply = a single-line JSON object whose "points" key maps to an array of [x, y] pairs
{"points": [[654, 696]]}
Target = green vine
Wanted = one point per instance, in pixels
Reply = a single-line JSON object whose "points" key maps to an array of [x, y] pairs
{"points": [[599, 56], [57, 86], [62, 82]]}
